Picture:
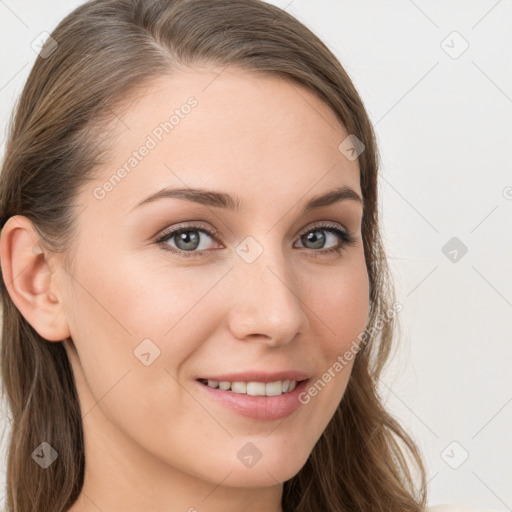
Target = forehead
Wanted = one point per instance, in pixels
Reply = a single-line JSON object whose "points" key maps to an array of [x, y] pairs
{"points": [[233, 130]]}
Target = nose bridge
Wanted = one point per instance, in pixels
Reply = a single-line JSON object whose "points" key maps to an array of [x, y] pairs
{"points": [[268, 300]]}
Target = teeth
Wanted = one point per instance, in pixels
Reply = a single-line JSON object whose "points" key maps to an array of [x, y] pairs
{"points": [[274, 388], [254, 388], [239, 387]]}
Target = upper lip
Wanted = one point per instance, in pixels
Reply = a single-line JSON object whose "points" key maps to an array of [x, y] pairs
{"points": [[259, 376]]}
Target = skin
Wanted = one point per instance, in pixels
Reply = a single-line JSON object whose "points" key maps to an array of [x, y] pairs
{"points": [[153, 441]]}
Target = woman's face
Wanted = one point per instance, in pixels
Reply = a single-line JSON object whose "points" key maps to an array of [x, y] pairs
{"points": [[249, 291]]}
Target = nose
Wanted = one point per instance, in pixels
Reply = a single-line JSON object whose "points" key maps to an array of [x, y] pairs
{"points": [[267, 302]]}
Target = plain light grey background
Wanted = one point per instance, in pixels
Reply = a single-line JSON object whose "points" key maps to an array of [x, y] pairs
{"points": [[436, 78]]}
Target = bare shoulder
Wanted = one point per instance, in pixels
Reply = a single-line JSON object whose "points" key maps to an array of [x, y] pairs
{"points": [[456, 508]]}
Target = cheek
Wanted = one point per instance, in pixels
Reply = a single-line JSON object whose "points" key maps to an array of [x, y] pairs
{"points": [[341, 305], [140, 313], [120, 316]]}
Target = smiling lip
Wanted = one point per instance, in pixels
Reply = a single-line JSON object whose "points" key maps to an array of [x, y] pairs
{"points": [[262, 408]]}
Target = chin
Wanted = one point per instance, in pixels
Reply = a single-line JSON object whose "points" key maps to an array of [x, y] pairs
{"points": [[268, 470]]}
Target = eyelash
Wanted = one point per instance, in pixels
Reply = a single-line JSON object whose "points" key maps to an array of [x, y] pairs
{"points": [[346, 239]]}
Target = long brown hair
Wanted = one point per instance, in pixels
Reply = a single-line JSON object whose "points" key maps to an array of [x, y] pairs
{"points": [[105, 51]]}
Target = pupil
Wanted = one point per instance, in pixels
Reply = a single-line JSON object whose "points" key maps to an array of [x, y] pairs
{"points": [[190, 242]]}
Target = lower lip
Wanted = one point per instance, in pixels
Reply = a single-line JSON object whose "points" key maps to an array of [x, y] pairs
{"points": [[262, 408]]}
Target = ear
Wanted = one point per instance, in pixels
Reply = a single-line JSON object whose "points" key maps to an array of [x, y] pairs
{"points": [[29, 281]]}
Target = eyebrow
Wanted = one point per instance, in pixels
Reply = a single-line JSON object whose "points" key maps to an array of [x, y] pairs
{"points": [[234, 203]]}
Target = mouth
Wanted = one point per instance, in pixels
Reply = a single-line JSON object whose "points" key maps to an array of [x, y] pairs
{"points": [[262, 401], [254, 388]]}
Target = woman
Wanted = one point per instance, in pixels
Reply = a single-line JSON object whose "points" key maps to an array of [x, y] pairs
{"points": [[197, 306]]}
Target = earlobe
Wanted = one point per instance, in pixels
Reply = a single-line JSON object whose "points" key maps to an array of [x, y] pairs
{"points": [[28, 278]]}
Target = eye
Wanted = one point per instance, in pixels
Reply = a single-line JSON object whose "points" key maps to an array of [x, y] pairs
{"points": [[187, 239], [315, 238]]}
